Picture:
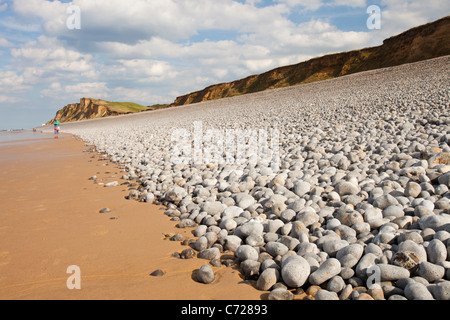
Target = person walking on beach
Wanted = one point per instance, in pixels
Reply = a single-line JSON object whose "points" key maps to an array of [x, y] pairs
{"points": [[56, 128]]}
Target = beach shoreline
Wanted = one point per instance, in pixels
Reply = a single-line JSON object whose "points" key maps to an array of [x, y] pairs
{"points": [[50, 221]]}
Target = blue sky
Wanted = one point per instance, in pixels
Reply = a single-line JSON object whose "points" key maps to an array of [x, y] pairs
{"points": [[151, 51]]}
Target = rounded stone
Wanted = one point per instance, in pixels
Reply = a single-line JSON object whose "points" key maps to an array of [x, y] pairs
{"points": [[176, 194], [441, 290], [411, 246], [389, 272], [344, 188], [187, 254], [307, 216], [228, 224], [326, 295], [397, 297], [245, 252], [295, 271], [280, 294], [250, 268], [246, 201], [232, 212], [436, 251], [445, 179], [431, 272], [417, 291], [209, 254], [267, 279], [213, 208], [186, 223], [177, 237], [368, 260], [276, 248], [287, 215], [205, 274], [421, 211], [356, 250], [328, 269], [251, 228], [376, 292], [373, 214], [157, 273], [200, 230], [336, 284], [231, 242], [364, 296], [393, 211], [333, 246], [384, 201], [255, 241], [201, 243], [301, 188], [435, 222], [413, 189]]}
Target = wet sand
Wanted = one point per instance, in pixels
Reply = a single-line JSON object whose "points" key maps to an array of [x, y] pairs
{"points": [[49, 220]]}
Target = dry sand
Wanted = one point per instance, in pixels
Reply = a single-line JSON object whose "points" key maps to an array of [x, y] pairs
{"points": [[49, 220]]}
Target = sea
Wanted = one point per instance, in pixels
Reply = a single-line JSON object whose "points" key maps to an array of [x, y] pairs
{"points": [[22, 134]]}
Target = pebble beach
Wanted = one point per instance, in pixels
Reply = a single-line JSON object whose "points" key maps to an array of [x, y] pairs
{"points": [[348, 199]]}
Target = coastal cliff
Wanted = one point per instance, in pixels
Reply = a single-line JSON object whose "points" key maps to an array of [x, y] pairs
{"points": [[96, 108], [424, 42]]}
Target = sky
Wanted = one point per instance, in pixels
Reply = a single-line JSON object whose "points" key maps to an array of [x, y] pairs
{"points": [[52, 53]]}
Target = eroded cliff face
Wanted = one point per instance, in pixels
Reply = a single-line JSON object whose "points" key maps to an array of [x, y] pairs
{"points": [[424, 42], [86, 109]]}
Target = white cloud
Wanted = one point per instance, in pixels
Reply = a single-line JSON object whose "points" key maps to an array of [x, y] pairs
{"points": [[12, 81], [88, 89], [73, 93], [5, 43], [9, 99], [350, 3], [306, 4], [17, 24], [400, 15], [142, 96], [144, 70], [103, 20], [51, 55]]}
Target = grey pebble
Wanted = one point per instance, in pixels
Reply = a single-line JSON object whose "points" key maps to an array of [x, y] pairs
{"points": [[431, 272], [157, 273], [280, 294], [205, 274], [441, 290], [326, 271], [209, 254], [177, 237], [276, 248], [436, 251], [187, 254], [417, 291], [389, 272], [267, 279], [245, 252], [295, 271], [326, 295]]}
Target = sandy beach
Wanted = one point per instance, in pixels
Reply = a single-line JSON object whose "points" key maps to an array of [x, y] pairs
{"points": [[49, 211]]}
